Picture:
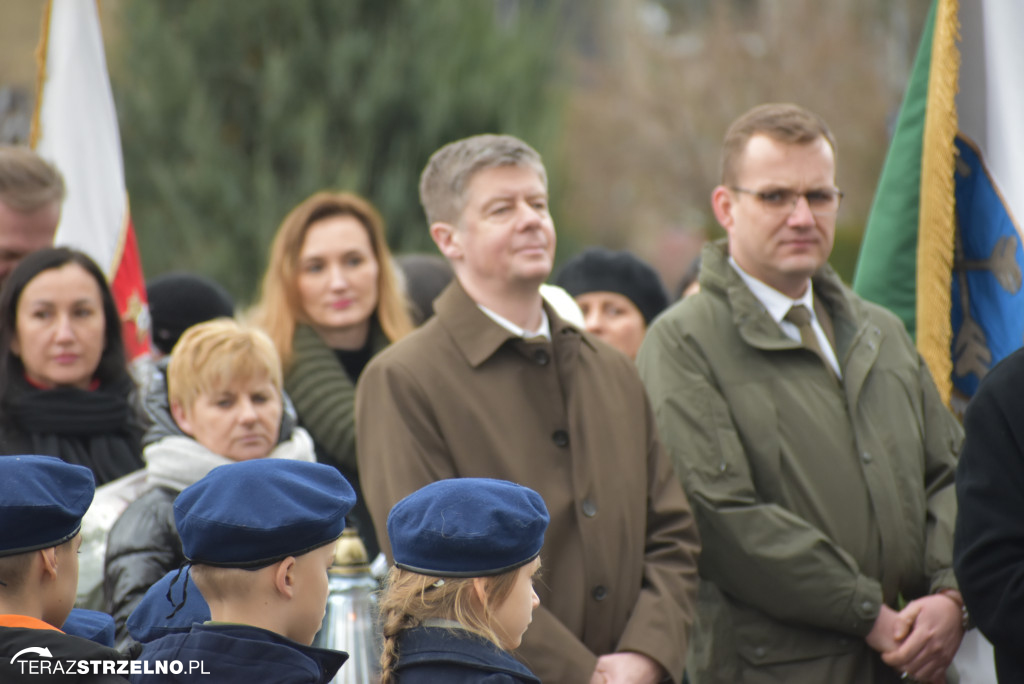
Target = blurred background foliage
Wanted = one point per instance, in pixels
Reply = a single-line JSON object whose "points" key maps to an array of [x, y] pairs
{"points": [[233, 111], [646, 120]]}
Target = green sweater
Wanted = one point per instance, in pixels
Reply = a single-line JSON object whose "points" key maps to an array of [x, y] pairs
{"points": [[324, 396]]}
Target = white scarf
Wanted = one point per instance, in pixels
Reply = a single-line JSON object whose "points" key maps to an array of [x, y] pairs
{"points": [[177, 462]]}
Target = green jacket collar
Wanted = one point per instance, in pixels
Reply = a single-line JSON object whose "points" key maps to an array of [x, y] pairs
{"points": [[756, 325]]}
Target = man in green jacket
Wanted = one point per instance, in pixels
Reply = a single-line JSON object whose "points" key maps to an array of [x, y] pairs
{"points": [[809, 437]]}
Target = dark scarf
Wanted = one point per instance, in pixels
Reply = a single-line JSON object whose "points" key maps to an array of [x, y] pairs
{"points": [[96, 429]]}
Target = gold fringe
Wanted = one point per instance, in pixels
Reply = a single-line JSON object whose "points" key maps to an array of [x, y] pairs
{"points": [[937, 217], [41, 48]]}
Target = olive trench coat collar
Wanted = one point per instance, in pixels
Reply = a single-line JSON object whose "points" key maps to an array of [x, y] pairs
{"points": [[759, 329]]}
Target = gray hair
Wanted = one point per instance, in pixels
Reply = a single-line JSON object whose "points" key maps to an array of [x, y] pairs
{"points": [[450, 169], [27, 181]]}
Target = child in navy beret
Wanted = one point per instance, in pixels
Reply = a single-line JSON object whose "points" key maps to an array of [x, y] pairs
{"points": [[461, 593], [259, 536], [42, 502]]}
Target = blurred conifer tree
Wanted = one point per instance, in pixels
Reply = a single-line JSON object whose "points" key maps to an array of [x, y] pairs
{"points": [[233, 112]]}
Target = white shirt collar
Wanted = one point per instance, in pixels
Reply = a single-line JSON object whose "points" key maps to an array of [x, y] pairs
{"points": [[543, 331], [776, 303]]}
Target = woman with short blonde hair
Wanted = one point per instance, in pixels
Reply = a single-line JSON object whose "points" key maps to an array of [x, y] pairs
{"points": [[209, 355], [226, 405]]}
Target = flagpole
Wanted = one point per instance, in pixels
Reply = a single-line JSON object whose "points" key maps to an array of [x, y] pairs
{"points": [[41, 50], [937, 224]]}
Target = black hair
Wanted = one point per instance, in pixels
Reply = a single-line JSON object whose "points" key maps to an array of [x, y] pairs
{"points": [[113, 365]]}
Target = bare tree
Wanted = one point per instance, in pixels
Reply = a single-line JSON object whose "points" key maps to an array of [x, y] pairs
{"points": [[647, 115]]}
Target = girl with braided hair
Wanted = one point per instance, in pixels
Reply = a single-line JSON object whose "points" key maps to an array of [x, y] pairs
{"points": [[460, 595]]}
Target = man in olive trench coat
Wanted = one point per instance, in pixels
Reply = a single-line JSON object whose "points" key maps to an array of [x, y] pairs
{"points": [[810, 438], [496, 385]]}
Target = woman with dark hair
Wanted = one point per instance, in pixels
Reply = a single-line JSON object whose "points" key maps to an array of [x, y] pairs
{"points": [[65, 389], [331, 300]]}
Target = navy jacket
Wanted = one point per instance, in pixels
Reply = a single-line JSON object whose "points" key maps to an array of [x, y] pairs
{"points": [[427, 655], [239, 653]]}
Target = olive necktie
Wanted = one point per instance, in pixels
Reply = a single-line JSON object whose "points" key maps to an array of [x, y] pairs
{"points": [[799, 316]]}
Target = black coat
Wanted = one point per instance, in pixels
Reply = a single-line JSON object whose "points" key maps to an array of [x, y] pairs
{"points": [[435, 654], [62, 647], [988, 549], [142, 547]]}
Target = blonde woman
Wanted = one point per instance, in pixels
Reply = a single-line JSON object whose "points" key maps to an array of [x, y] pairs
{"points": [[330, 302], [224, 391]]}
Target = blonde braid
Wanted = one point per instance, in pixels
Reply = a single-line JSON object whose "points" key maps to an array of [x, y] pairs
{"points": [[409, 598], [392, 625]]}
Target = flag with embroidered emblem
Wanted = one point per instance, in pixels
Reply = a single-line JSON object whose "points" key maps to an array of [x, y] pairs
{"points": [[942, 247]]}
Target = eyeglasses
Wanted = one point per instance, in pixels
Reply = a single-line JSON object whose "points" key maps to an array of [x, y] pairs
{"points": [[822, 202]]}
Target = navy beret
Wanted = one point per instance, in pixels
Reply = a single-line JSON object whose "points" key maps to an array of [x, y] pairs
{"points": [[254, 513], [601, 270], [467, 527], [156, 615], [42, 501], [90, 624]]}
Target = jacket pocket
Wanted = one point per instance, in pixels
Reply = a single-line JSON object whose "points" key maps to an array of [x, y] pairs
{"points": [[763, 641]]}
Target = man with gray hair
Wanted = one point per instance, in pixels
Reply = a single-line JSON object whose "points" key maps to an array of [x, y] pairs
{"points": [[31, 192], [497, 385]]}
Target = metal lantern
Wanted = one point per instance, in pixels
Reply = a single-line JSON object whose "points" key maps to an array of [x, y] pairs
{"points": [[350, 621]]}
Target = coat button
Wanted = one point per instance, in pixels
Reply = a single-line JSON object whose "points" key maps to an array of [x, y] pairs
{"points": [[599, 593], [560, 438], [867, 606], [589, 508], [759, 652], [541, 357], [866, 457]]}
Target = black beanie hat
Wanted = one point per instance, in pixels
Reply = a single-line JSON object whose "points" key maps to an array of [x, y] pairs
{"points": [[426, 276], [177, 301], [597, 269]]}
